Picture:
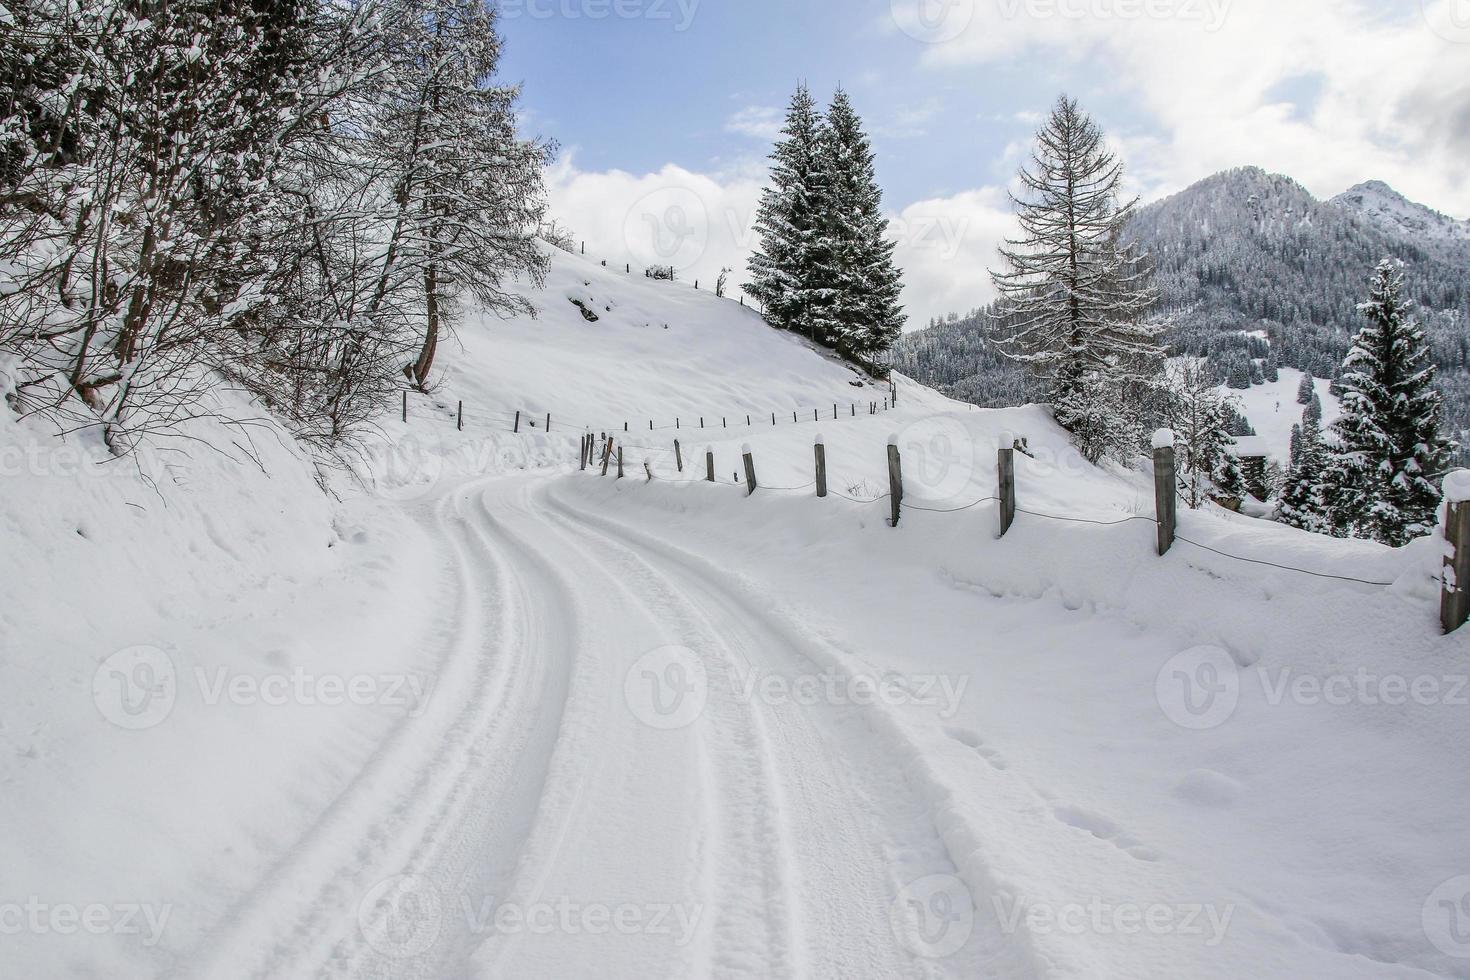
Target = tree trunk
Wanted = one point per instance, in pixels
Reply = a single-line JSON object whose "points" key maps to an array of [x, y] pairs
{"points": [[425, 361]]}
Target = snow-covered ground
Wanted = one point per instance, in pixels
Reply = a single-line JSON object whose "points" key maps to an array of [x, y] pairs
{"points": [[485, 714], [1272, 409]]}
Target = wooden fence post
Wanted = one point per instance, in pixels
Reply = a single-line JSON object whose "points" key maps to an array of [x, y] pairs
{"points": [[606, 456], [1006, 466], [749, 470], [1165, 491], [1454, 600], [459, 420], [583, 460], [820, 449], [405, 406], [678, 456], [648, 470], [548, 421], [620, 462], [895, 479], [518, 422], [709, 466]]}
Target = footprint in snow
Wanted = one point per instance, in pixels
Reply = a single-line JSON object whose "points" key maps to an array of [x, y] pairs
{"points": [[973, 740], [1104, 829]]}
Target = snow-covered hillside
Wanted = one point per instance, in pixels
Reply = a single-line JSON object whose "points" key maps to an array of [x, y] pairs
{"points": [[480, 713], [1272, 409]]}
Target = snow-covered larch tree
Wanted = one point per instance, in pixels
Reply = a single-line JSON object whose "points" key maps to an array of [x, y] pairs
{"points": [[1383, 478], [466, 192], [1074, 295]]}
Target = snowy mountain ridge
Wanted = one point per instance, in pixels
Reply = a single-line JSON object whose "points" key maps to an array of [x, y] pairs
{"points": [[1384, 207]]}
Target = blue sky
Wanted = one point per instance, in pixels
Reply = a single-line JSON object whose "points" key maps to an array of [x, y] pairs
{"points": [[667, 107]]}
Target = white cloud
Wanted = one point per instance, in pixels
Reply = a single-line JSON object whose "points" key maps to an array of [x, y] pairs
{"points": [[761, 122], [1391, 97], [946, 247], [697, 222]]}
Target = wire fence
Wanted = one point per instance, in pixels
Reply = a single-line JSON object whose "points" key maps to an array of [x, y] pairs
{"points": [[623, 435], [635, 461]]}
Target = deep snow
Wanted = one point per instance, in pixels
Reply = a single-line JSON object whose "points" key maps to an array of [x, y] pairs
{"points": [[487, 714]]}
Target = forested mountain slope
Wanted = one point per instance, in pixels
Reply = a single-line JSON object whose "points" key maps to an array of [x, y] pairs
{"points": [[1250, 265]]}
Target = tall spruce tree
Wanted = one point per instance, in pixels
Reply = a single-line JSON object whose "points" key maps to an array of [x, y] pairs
{"points": [[1074, 295], [1302, 504], [858, 312], [1383, 478], [782, 270]]}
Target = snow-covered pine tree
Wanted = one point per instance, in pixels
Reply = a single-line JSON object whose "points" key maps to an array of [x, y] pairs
{"points": [[1383, 478], [466, 191], [1302, 504], [1273, 366], [1296, 444], [1313, 410], [782, 272], [1306, 390], [1229, 481], [858, 312], [1073, 295]]}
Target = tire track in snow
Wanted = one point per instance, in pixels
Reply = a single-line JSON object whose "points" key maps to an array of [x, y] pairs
{"points": [[412, 789], [865, 828]]}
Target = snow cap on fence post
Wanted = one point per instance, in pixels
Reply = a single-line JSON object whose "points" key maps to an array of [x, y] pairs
{"points": [[1457, 486], [820, 441], [893, 438], [1165, 491]]}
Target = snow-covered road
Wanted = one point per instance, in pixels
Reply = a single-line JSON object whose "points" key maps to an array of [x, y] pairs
{"points": [[597, 786]]}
